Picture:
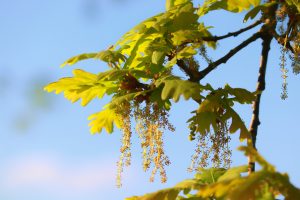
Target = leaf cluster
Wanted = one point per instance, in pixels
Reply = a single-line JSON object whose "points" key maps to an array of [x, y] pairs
{"points": [[141, 73], [218, 183]]}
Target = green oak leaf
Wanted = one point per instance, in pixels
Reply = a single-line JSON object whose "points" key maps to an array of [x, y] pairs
{"points": [[174, 87], [104, 119], [78, 58], [83, 85]]}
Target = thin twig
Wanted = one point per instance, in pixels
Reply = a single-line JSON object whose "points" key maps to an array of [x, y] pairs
{"points": [[236, 33], [216, 38], [195, 75], [281, 40], [225, 58]]}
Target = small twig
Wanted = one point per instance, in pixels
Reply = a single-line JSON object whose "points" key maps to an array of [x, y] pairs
{"points": [[216, 38], [195, 75], [143, 85], [281, 40], [225, 58], [234, 34]]}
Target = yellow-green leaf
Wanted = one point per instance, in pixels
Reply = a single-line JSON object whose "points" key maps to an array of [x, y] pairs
{"points": [[229, 5], [241, 95], [186, 52], [78, 58], [83, 85], [104, 119], [254, 11], [237, 124], [113, 58], [174, 87]]}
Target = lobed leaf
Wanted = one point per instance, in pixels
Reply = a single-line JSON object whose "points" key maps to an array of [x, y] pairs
{"points": [[155, 96], [233, 173], [118, 74], [118, 100], [113, 58], [203, 121], [228, 5], [150, 42], [174, 87], [241, 95], [83, 85], [211, 175], [259, 8], [186, 52], [171, 3], [256, 157], [217, 107], [104, 119], [218, 183], [78, 58]]}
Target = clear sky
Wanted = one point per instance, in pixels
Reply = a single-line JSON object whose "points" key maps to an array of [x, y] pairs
{"points": [[46, 150]]}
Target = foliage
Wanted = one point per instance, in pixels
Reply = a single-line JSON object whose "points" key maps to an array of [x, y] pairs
{"points": [[143, 85], [219, 183]]}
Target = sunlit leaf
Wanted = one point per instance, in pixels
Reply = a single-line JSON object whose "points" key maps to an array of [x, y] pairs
{"points": [[233, 173], [228, 5], [203, 121], [241, 95], [186, 52], [118, 74], [158, 57], [237, 124], [174, 87], [208, 113], [171, 3], [104, 119], [255, 156], [155, 96], [83, 85], [254, 11], [113, 58], [211, 175], [118, 100], [78, 58]]}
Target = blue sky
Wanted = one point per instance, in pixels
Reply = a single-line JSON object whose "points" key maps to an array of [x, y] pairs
{"points": [[47, 152]]}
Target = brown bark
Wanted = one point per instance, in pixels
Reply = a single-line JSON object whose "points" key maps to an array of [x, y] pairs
{"points": [[267, 36], [261, 84]]}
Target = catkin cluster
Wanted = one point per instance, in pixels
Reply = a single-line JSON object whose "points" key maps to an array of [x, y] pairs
{"points": [[214, 147], [296, 56], [124, 110], [288, 29], [150, 122]]}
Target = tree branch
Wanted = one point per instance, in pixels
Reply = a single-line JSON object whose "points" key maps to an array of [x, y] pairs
{"points": [[267, 31], [195, 75], [236, 33], [225, 58], [261, 84], [192, 73]]}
